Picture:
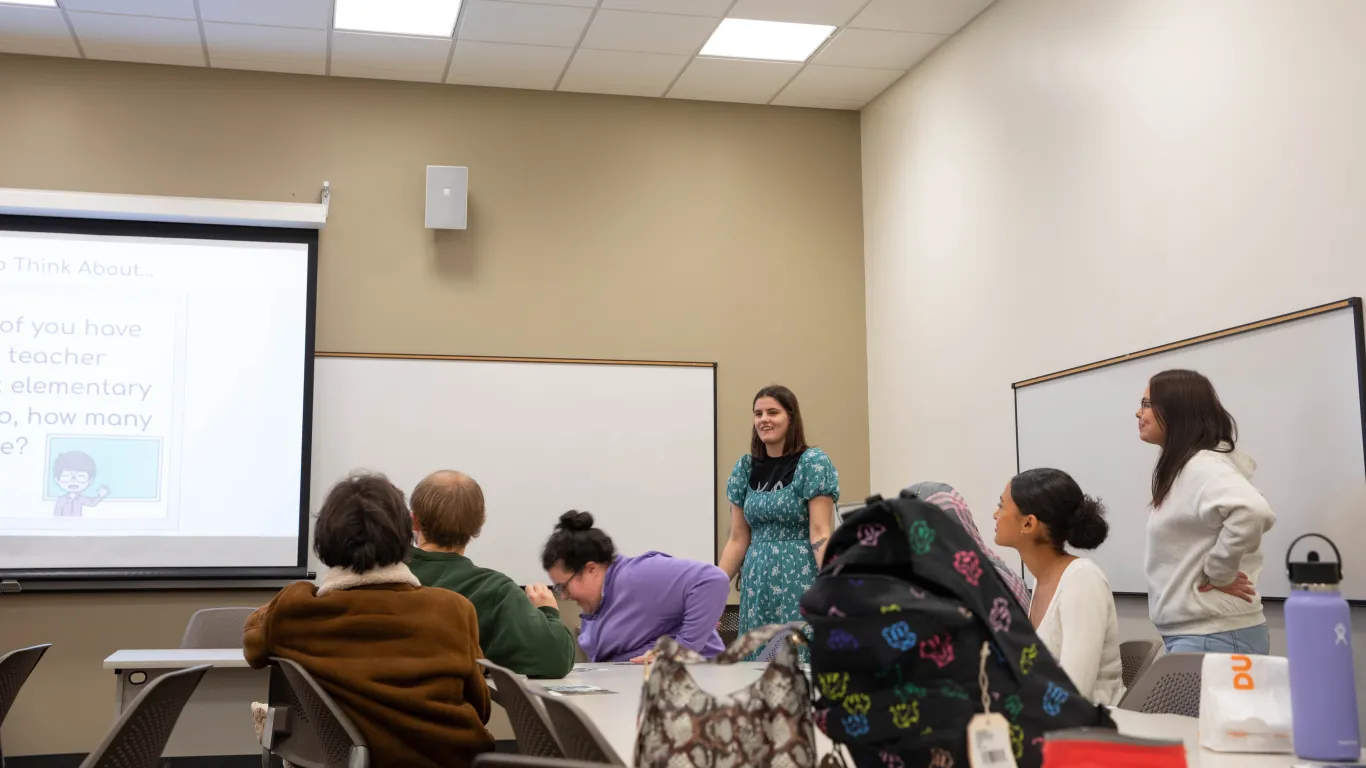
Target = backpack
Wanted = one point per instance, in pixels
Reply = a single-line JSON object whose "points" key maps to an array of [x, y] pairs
{"points": [[901, 612]]}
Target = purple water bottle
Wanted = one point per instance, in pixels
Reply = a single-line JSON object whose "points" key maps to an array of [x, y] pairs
{"points": [[1318, 641]]}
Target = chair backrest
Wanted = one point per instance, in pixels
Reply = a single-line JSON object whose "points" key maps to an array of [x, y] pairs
{"points": [[141, 732], [529, 724], [729, 625], [15, 667], [216, 628], [1170, 686], [492, 759], [304, 726], [1135, 656], [580, 738]]}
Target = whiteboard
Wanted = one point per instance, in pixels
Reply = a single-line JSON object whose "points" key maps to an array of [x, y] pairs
{"points": [[633, 444], [1294, 388]]}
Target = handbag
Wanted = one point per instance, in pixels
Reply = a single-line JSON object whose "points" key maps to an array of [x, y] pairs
{"points": [[766, 724]]}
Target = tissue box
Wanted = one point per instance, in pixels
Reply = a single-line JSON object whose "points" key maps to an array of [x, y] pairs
{"points": [[1245, 703]]}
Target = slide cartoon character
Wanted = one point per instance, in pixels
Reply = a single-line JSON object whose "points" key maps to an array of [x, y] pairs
{"points": [[74, 472]]}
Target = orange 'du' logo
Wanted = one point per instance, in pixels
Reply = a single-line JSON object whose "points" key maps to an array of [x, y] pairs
{"points": [[1242, 673]]}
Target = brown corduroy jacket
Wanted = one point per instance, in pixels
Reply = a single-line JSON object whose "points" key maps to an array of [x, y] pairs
{"points": [[398, 658]]}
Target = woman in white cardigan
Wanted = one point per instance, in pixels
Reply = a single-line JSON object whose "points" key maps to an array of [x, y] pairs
{"points": [[1041, 512]]}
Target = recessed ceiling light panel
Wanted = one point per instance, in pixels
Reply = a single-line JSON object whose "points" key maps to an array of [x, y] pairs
{"points": [[767, 40], [419, 18]]}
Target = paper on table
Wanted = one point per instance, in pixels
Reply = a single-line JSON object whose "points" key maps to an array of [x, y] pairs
{"points": [[576, 690]]}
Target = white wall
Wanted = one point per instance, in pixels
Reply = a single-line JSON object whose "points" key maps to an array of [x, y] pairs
{"points": [[1068, 180]]}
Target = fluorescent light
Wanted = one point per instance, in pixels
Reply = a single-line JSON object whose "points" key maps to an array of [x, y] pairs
{"points": [[769, 40], [420, 18], [44, 3]]}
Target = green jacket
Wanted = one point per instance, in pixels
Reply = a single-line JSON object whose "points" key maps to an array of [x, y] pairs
{"points": [[513, 633]]}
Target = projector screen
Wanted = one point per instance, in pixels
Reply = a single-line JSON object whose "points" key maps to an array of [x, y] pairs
{"points": [[154, 399]]}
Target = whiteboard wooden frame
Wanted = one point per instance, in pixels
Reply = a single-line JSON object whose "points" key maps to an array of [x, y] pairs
{"points": [[1354, 303]]}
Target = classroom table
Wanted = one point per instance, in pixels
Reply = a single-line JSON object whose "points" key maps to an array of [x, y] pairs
{"points": [[217, 718], [615, 714]]}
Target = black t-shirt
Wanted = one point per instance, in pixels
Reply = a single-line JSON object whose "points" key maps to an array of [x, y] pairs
{"points": [[773, 473]]}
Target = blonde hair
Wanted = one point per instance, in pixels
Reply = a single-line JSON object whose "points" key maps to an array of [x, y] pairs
{"points": [[449, 508]]}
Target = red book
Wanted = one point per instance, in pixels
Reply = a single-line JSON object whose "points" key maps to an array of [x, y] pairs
{"points": [[1100, 748]]}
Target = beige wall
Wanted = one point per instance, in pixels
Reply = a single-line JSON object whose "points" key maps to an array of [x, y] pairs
{"points": [[599, 227]]}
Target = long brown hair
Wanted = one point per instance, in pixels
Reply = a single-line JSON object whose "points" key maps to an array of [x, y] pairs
{"points": [[795, 439], [1188, 409]]}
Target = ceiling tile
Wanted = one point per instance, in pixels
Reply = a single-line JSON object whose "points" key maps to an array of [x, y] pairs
{"points": [[166, 9], [384, 74], [138, 38], [578, 3], [35, 31], [712, 8], [310, 14], [783, 100], [943, 17], [621, 73], [492, 21], [300, 67], [287, 46], [841, 83], [754, 82], [877, 49], [362, 54], [834, 12], [648, 32], [501, 65]]}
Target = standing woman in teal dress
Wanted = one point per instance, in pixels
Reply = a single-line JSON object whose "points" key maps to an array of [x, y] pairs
{"points": [[782, 504]]}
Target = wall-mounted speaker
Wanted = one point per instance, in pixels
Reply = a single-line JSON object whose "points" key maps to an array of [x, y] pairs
{"points": [[448, 188]]}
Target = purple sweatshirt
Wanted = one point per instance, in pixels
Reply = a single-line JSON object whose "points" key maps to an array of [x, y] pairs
{"points": [[652, 595]]}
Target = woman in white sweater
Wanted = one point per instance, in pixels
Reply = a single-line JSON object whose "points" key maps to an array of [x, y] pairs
{"points": [[1041, 512], [1206, 524]]}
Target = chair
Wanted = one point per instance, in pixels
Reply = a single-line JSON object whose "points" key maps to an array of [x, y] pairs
{"points": [[729, 625], [1170, 686], [15, 667], [1135, 656], [580, 738], [530, 727], [492, 759], [139, 736], [304, 726], [216, 628]]}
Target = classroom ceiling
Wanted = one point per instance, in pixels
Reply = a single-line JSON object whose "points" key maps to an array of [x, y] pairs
{"points": [[626, 47]]}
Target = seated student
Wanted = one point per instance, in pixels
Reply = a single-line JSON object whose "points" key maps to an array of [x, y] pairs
{"points": [[399, 658], [1041, 511], [630, 602], [520, 630]]}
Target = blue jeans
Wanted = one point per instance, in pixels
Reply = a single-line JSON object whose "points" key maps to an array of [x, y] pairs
{"points": [[1253, 640]]}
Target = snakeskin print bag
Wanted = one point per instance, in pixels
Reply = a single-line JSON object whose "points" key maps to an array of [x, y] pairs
{"points": [[765, 725]]}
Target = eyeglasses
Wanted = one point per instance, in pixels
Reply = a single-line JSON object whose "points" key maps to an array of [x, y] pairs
{"points": [[1145, 403], [559, 589]]}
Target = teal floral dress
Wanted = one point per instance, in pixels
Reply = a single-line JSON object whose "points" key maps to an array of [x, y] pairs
{"points": [[780, 565]]}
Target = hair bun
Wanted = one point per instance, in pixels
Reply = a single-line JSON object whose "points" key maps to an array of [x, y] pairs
{"points": [[1087, 529], [574, 520]]}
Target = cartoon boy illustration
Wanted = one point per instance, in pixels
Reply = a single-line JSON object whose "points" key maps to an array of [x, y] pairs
{"points": [[74, 471]]}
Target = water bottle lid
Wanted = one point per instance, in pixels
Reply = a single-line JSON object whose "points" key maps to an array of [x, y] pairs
{"points": [[1312, 570]]}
